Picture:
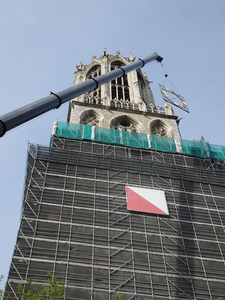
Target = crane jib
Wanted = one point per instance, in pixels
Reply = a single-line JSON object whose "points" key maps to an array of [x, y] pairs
{"points": [[54, 100]]}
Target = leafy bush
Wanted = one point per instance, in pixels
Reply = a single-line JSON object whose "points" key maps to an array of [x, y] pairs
{"points": [[52, 291]]}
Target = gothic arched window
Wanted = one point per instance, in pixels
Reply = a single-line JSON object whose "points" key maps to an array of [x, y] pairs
{"points": [[90, 117], [141, 85], [157, 127], [125, 123], [94, 72], [119, 86]]}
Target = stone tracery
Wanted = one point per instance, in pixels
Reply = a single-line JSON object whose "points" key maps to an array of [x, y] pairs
{"points": [[119, 86], [90, 117], [157, 127], [125, 123], [94, 72]]}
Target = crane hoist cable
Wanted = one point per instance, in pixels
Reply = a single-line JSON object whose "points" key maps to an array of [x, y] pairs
{"points": [[167, 77]]}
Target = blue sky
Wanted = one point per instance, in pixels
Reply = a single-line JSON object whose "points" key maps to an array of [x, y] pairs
{"points": [[43, 41]]}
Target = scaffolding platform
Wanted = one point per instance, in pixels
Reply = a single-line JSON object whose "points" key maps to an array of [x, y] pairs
{"points": [[139, 140]]}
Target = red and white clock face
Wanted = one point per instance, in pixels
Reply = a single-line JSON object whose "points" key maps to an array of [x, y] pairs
{"points": [[146, 200]]}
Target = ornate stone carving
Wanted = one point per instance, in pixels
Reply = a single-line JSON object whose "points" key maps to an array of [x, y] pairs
{"points": [[158, 127], [125, 123], [126, 104], [159, 130], [90, 118]]}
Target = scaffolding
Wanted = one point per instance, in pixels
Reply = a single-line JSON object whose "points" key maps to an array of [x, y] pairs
{"points": [[75, 223], [140, 140]]}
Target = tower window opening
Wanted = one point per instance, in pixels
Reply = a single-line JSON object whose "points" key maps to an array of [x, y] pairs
{"points": [[157, 127], [141, 86], [120, 93], [90, 117], [113, 92], [119, 86], [126, 91], [124, 123], [94, 72], [125, 80], [119, 80]]}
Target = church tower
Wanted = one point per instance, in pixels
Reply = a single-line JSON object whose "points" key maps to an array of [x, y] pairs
{"points": [[126, 103]]}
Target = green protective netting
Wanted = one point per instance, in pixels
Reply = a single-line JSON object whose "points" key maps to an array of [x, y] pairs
{"points": [[105, 135], [194, 148], [50, 143], [70, 130], [137, 140], [162, 143], [87, 132], [134, 139], [216, 151]]}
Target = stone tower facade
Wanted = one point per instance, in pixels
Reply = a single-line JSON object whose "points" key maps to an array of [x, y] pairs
{"points": [[126, 103]]}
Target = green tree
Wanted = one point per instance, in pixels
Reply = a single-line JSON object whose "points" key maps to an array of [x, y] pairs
{"points": [[1, 291], [53, 291], [118, 297]]}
